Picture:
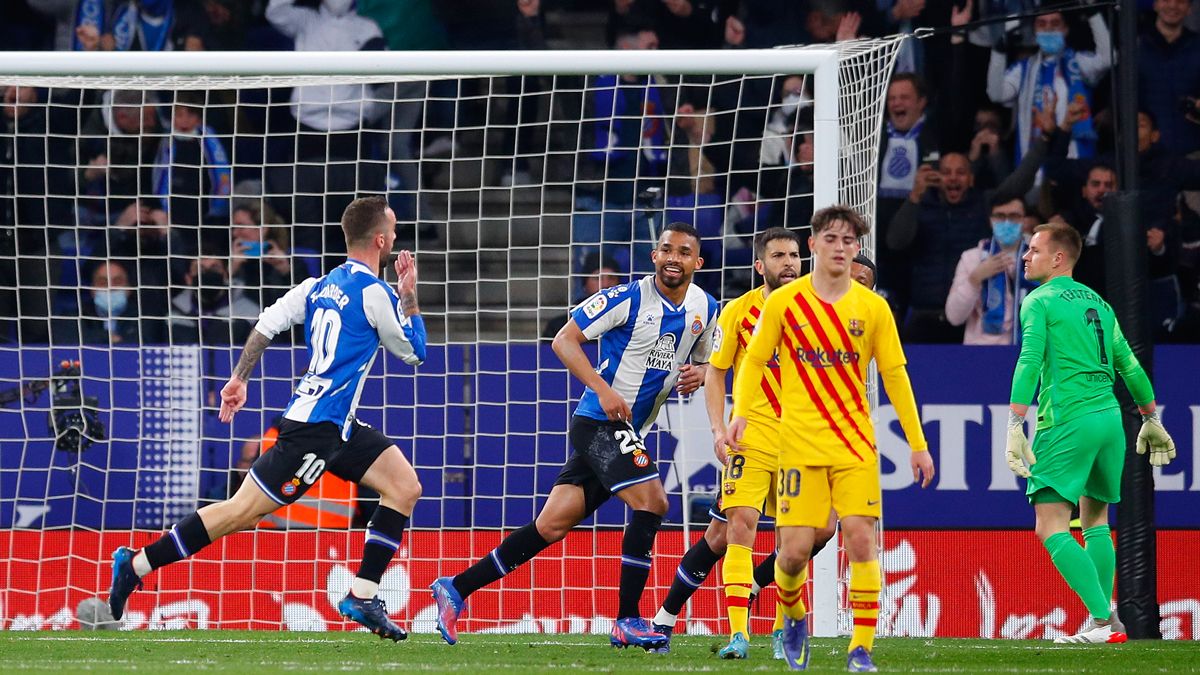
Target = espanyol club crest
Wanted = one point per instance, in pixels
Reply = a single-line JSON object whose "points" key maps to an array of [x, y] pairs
{"points": [[857, 327], [697, 325], [289, 488], [900, 164], [640, 459]]}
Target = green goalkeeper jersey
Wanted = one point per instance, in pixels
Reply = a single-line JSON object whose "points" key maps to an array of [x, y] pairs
{"points": [[1071, 342]]}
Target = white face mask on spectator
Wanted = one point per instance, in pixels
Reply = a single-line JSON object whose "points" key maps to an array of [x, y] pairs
{"points": [[337, 7]]}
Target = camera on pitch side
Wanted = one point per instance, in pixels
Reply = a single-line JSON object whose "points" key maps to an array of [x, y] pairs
{"points": [[74, 420]]}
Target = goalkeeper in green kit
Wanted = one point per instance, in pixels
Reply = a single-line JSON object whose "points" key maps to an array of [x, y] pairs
{"points": [[1071, 342]]}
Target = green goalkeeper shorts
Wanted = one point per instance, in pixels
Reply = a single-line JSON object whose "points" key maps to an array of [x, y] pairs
{"points": [[1082, 457]]}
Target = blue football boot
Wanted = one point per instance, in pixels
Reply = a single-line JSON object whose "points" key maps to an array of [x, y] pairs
{"points": [[450, 606], [372, 614], [665, 630], [634, 631], [738, 648], [795, 643], [859, 661], [124, 580]]}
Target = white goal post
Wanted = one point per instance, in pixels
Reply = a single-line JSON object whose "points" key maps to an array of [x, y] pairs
{"points": [[498, 259]]}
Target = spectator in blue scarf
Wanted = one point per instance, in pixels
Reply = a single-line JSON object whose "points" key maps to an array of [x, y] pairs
{"points": [[191, 171], [988, 283], [1055, 76]]}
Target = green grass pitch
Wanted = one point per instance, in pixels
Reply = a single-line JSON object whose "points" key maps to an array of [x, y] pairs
{"points": [[273, 652]]}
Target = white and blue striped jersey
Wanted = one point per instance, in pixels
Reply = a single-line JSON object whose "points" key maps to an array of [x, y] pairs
{"points": [[347, 314], [646, 338]]}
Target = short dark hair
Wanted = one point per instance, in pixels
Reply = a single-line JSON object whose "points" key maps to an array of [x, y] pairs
{"points": [[772, 234], [826, 217], [866, 262], [362, 218], [683, 228], [1101, 166], [1000, 199], [1064, 237], [913, 78]]}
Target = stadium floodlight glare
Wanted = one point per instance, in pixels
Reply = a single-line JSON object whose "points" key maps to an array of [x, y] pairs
{"points": [[496, 164]]}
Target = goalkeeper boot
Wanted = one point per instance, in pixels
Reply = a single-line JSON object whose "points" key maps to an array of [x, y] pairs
{"points": [[777, 645], [634, 631], [665, 630], [1118, 626], [1093, 633], [124, 580], [372, 614], [859, 661], [738, 648], [450, 606], [795, 643]]}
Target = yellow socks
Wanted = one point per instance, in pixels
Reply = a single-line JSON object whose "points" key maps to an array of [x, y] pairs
{"points": [[738, 571], [778, 625], [791, 592], [864, 602]]}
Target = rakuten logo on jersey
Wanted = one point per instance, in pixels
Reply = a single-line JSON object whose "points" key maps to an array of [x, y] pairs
{"points": [[820, 358]]}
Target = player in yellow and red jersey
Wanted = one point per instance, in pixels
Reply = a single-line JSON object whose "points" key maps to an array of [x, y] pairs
{"points": [[826, 329]]}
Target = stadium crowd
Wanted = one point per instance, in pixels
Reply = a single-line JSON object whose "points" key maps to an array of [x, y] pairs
{"points": [[143, 218]]}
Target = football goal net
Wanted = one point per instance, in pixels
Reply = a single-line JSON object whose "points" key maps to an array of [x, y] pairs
{"points": [[152, 204]]}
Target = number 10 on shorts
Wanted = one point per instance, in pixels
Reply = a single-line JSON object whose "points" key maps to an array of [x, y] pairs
{"points": [[311, 469]]}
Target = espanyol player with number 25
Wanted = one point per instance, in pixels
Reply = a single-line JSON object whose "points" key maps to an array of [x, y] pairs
{"points": [[655, 337], [346, 314]]}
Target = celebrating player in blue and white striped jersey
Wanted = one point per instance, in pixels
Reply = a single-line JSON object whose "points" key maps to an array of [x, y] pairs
{"points": [[346, 314], [655, 336]]}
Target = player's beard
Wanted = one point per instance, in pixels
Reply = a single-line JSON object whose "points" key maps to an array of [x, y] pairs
{"points": [[684, 278], [774, 281]]}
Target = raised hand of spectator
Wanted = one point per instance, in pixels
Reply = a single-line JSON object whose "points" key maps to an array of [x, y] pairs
{"points": [[97, 168], [926, 177], [131, 216], [1044, 118], [1156, 240], [1076, 110], [277, 258], [907, 9], [89, 37], [529, 8], [735, 31], [848, 26], [986, 141], [693, 124], [961, 16], [990, 267], [680, 8]]}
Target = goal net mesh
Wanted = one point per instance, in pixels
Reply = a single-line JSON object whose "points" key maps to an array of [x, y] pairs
{"points": [[145, 221]]}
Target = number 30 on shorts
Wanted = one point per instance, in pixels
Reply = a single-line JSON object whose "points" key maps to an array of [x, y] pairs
{"points": [[789, 483]]}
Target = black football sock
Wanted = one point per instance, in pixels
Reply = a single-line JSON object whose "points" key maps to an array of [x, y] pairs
{"points": [[693, 570], [516, 549], [183, 540], [764, 574], [636, 551], [385, 531]]}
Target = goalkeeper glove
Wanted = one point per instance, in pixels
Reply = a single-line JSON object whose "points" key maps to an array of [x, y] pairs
{"points": [[1154, 437], [1018, 451]]}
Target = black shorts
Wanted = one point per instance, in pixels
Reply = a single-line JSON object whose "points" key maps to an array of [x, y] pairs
{"points": [[304, 451], [607, 457]]}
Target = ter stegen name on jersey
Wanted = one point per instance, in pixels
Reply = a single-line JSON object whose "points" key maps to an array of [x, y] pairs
{"points": [[646, 338]]}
